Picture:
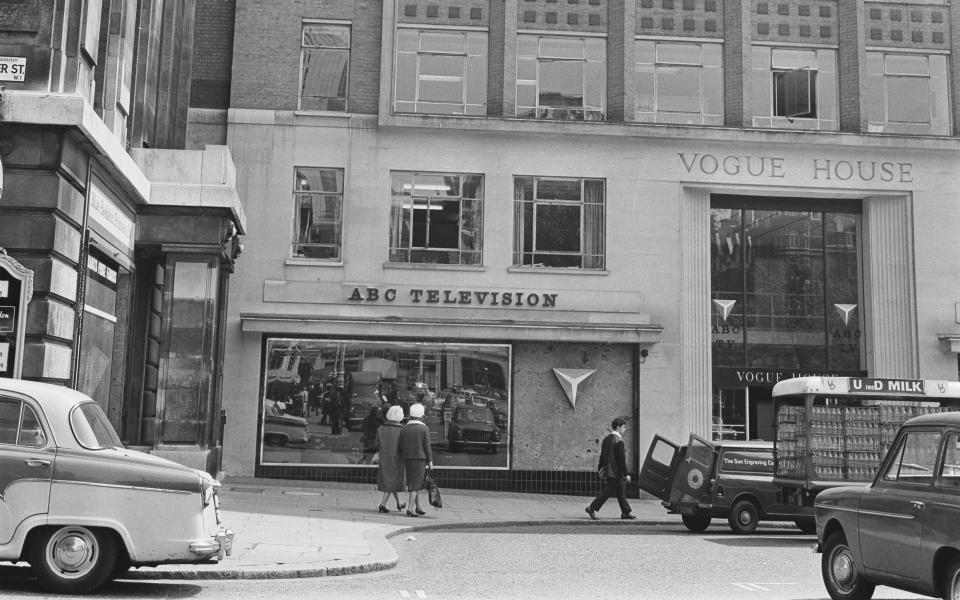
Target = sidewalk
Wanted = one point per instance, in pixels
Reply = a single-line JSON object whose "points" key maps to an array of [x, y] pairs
{"points": [[288, 529]]}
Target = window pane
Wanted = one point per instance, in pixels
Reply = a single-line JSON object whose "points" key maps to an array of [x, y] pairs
{"points": [[444, 224], [908, 99], [915, 459], [318, 180], [645, 88], [561, 47], [31, 434], [678, 89], [326, 36], [443, 42], [441, 91], [712, 91], [793, 59], [324, 73], [561, 84], [685, 54], [907, 64], [527, 46], [558, 189], [558, 228], [9, 421], [408, 40], [645, 53], [406, 77], [441, 65]]}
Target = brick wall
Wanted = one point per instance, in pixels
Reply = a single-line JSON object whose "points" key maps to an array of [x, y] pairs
{"points": [[213, 54]]}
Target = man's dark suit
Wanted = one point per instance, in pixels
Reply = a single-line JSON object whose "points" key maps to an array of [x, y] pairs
{"points": [[613, 458]]}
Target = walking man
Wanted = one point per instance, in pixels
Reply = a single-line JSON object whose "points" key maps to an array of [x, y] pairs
{"points": [[613, 461]]}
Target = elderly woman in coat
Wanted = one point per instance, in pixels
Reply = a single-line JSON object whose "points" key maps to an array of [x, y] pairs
{"points": [[390, 475], [417, 456]]}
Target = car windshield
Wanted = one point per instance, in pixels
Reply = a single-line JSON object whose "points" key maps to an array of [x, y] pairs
{"points": [[482, 416], [91, 427]]}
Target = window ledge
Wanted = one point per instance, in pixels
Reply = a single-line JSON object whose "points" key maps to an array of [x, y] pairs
{"points": [[312, 262], [321, 113], [557, 271], [433, 266]]}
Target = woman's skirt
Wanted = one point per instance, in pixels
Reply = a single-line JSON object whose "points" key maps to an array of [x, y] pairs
{"points": [[415, 468]]}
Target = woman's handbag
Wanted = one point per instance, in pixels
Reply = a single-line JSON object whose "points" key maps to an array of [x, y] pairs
{"points": [[433, 492]]}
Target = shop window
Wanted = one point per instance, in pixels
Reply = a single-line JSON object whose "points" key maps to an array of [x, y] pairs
{"points": [[441, 72], [559, 222], [324, 66], [561, 77], [907, 94], [795, 88], [325, 400], [679, 83], [436, 218], [318, 212]]}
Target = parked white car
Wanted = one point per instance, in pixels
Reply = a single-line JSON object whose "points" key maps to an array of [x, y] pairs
{"points": [[82, 509]]}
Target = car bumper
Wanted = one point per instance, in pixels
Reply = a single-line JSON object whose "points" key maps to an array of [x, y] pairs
{"points": [[221, 545]]}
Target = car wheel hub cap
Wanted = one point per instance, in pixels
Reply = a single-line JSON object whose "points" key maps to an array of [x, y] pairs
{"points": [[745, 517], [73, 552], [843, 569]]}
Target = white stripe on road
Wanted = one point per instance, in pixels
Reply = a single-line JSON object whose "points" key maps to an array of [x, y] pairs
{"points": [[758, 587], [419, 593]]}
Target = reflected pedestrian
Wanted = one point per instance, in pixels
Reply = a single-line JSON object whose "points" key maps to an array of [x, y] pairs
{"points": [[390, 475], [417, 456], [613, 461], [368, 437]]}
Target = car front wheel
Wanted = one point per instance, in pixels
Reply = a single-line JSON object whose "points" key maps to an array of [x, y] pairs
{"points": [[72, 559], [951, 585], [696, 523], [744, 517], [840, 575]]}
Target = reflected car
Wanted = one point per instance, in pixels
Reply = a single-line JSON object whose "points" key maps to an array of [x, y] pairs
{"points": [[903, 530], [73, 500], [280, 428], [474, 427]]}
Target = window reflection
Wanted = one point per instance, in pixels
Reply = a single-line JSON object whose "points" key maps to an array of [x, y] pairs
{"points": [[324, 399]]}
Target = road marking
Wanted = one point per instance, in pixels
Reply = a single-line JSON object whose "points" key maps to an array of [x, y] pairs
{"points": [[419, 593], [758, 587]]}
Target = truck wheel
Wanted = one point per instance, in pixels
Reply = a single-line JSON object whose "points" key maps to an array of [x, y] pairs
{"points": [[951, 585], [808, 526], [72, 559], [744, 517], [696, 523], [840, 575]]}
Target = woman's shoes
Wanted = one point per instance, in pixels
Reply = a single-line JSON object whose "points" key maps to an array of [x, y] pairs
{"points": [[412, 514], [401, 506], [419, 512], [383, 509]]}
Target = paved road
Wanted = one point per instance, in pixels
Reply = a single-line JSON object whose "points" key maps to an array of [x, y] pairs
{"points": [[655, 562]]}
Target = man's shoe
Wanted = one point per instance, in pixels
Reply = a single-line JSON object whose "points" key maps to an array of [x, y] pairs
{"points": [[591, 512], [627, 516]]}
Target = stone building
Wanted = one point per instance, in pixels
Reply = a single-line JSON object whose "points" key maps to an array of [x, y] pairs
{"points": [[129, 228]]}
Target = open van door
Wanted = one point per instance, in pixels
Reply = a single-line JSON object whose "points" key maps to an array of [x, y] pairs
{"points": [[656, 476], [691, 482]]}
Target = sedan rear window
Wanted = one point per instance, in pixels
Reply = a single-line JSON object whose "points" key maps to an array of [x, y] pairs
{"points": [[92, 428]]}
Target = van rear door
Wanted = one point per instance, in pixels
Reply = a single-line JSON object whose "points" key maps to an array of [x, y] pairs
{"points": [[692, 480], [656, 476]]}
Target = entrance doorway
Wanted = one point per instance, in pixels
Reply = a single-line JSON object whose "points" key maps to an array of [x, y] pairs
{"points": [[742, 413]]}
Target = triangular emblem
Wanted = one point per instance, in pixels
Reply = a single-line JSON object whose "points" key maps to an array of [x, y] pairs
{"points": [[725, 307], [570, 380], [845, 311]]}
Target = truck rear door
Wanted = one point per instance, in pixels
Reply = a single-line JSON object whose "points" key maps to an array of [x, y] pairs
{"points": [[656, 476], [691, 483]]}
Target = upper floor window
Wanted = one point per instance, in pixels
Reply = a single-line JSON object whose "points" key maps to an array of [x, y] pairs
{"points": [[907, 93], [318, 212], [324, 66], [436, 218], [558, 222], [561, 77], [441, 72], [795, 88], [679, 83]]}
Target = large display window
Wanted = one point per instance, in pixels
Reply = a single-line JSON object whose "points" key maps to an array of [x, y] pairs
{"points": [[323, 400]]}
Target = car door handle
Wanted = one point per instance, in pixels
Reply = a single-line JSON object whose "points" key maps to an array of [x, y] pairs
{"points": [[917, 505], [37, 462]]}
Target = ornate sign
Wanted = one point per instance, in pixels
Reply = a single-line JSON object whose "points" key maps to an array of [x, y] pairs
{"points": [[16, 289]]}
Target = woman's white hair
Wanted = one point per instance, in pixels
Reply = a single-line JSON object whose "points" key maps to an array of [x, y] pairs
{"points": [[395, 414], [416, 411]]}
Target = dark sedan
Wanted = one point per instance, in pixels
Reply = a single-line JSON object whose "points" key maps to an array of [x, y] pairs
{"points": [[474, 427], [902, 531]]}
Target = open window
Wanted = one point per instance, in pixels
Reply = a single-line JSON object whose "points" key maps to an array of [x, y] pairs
{"points": [[795, 93]]}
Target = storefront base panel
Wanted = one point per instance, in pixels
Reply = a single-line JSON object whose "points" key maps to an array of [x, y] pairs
{"points": [[571, 483]]}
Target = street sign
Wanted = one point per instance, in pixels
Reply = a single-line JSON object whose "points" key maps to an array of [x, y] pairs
{"points": [[13, 68]]}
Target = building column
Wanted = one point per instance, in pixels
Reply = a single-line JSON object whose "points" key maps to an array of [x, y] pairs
{"points": [[621, 60], [737, 63], [852, 67], [695, 367]]}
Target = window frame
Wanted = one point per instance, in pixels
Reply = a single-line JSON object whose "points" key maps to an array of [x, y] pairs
{"points": [[526, 259], [938, 85], [403, 221], [770, 61], [664, 115], [466, 107], [299, 247], [304, 48], [22, 408], [586, 111]]}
